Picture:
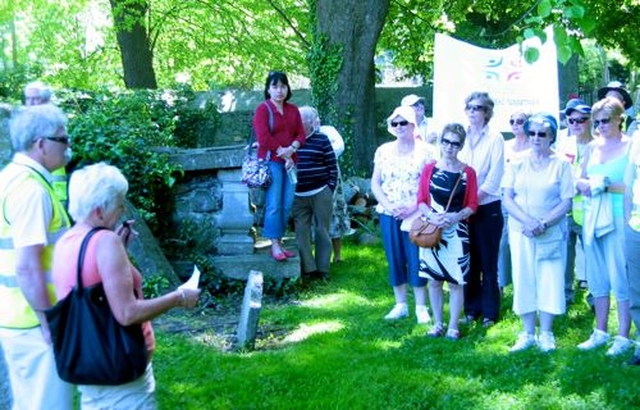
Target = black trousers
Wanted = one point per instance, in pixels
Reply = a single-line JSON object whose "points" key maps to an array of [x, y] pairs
{"points": [[481, 292]]}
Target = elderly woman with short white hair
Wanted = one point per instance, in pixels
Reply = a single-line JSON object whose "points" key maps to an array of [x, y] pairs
{"points": [[397, 167], [97, 193], [537, 193]]}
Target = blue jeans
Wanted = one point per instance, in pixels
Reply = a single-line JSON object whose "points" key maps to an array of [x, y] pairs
{"points": [[402, 255], [278, 202]]}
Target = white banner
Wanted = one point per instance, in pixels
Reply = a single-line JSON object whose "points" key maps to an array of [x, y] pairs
{"points": [[461, 68]]}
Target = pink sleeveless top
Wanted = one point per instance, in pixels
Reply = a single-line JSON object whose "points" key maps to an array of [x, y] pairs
{"points": [[64, 271]]}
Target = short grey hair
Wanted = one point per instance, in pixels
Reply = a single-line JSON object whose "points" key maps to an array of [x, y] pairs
{"points": [[95, 186], [44, 91], [310, 118], [37, 121]]}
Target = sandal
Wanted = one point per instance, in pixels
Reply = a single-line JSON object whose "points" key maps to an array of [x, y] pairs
{"points": [[436, 331], [453, 334], [487, 323]]}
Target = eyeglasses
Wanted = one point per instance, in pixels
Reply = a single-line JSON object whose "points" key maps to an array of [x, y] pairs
{"points": [[61, 140], [540, 134], [596, 123], [519, 121], [454, 144], [474, 108], [580, 120], [402, 123]]}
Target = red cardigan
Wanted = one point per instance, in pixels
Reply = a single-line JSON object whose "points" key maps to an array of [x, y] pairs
{"points": [[287, 127], [470, 195]]}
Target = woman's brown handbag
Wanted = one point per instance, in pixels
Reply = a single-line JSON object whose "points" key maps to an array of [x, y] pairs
{"points": [[425, 234]]}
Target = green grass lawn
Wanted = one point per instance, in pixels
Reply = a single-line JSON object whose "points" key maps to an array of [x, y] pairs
{"points": [[333, 350]]}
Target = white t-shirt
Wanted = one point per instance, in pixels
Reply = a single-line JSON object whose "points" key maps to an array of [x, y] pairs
{"points": [[538, 192]]}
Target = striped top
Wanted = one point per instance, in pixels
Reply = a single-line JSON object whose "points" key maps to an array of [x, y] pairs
{"points": [[317, 166]]}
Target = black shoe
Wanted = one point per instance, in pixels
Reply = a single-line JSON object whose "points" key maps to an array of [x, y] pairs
{"points": [[634, 361]]}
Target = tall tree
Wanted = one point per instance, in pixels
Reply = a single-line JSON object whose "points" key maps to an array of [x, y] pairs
{"points": [[129, 17], [353, 28]]}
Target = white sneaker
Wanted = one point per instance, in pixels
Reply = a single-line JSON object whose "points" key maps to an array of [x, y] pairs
{"points": [[422, 314], [598, 338], [399, 311], [546, 342], [525, 341], [620, 345]]}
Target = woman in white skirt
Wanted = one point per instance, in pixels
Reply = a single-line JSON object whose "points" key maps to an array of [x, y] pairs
{"points": [[537, 194]]}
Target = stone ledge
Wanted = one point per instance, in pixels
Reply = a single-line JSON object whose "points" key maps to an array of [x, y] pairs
{"points": [[198, 159], [238, 267]]}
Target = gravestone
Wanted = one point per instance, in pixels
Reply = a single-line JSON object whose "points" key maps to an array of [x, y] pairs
{"points": [[250, 313]]}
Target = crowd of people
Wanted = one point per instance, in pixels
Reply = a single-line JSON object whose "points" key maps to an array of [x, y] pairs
{"points": [[542, 211], [510, 212]]}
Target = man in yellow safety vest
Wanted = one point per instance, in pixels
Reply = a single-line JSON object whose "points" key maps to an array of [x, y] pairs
{"points": [[36, 93], [32, 219]]}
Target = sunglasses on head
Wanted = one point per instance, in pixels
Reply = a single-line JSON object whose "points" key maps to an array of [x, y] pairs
{"points": [[580, 120], [471, 107], [519, 121], [401, 123], [539, 134], [601, 121], [455, 144]]}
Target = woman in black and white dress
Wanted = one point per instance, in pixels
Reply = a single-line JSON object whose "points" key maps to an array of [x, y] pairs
{"points": [[447, 181]]}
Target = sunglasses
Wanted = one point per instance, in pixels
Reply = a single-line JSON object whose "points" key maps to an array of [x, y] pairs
{"points": [[61, 140], [539, 134], [454, 144], [401, 123], [602, 121], [474, 108], [580, 120], [519, 121]]}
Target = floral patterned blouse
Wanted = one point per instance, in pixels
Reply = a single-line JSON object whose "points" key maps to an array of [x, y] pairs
{"points": [[400, 174]]}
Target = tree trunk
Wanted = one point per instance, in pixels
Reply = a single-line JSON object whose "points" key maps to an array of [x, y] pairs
{"points": [[135, 50], [355, 26]]}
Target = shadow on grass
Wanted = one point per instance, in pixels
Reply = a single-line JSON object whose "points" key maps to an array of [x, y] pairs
{"points": [[332, 349]]}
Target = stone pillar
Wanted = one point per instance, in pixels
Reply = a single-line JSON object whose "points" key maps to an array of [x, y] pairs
{"points": [[236, 219]]}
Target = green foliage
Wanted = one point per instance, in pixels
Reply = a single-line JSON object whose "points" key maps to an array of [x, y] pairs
{"points": [[125, 130], [330, 348], [154, 286]]}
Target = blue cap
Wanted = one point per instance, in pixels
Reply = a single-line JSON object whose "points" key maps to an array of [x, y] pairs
{"points": [[576, 104]]}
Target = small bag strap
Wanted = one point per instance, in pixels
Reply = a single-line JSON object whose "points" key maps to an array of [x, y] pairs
{"points": [[83, 249], [453, 191], [254, 137]]}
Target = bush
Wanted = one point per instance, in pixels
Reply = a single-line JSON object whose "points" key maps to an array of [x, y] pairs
{"points": [[125, 129]]}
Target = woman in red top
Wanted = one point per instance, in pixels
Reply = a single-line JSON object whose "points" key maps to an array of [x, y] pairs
{"points": [[447, 197], [278, 141]]}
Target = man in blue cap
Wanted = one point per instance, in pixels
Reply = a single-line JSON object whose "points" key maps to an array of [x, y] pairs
{"points": [[572, 149]]}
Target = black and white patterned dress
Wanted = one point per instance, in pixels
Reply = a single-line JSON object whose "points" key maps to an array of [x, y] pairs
{"points": [[449, 261]]}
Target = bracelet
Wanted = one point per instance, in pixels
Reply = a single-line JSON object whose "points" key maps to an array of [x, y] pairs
{"points": [[183, 297]]}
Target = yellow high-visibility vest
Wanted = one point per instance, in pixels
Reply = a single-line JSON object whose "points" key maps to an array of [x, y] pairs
{"points": [[59, 183], [15, 311]]}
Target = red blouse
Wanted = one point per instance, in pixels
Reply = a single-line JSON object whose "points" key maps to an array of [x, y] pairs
{"points": [[287, 127]]}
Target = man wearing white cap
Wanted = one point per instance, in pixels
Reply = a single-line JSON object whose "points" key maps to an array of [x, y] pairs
{"points": [[426, 132]]}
